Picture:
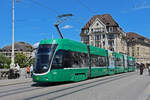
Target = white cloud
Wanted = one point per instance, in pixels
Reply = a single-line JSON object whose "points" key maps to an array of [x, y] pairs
{"points": [[138, 6], [141, 6], [67, 27], [36, 45]]}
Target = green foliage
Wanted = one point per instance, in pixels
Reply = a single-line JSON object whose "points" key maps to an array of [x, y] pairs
{"points": [[8, 62], [4, 61], [21, 59], [30, 61]]}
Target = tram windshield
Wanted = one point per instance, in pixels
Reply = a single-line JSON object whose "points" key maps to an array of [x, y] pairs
{"points": [[43, 57]]}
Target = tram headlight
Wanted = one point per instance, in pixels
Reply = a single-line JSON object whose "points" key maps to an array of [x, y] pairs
{"points": [[45, 67]]}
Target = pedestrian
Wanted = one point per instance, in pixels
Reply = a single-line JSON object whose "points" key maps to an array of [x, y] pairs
{"points": [[18, 67], [31, 70], [148, 67], [141, 68], [137, 67], [28, 71], [17, 71]]}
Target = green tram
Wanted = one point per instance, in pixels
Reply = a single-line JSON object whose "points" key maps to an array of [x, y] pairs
{"points": [[61, 60]]}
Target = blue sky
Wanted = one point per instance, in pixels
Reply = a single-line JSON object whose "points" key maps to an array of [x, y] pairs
{"points": [[34, 19]]}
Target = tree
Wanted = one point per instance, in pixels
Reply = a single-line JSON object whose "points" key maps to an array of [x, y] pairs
{"points": [[21, 59], [30, 61], [4, 61], [8, 62]]}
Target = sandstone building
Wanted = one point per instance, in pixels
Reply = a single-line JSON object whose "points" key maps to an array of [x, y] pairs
{"points": [[20, 47], [104, 32], [138, 47]]}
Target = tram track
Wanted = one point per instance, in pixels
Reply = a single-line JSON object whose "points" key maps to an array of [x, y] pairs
{"points": [[14, 84], [82, 85], [54, 89]]}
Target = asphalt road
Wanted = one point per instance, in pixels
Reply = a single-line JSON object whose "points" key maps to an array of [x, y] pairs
{"points": [[127, 86]]}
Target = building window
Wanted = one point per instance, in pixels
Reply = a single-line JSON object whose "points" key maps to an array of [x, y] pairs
{"points": [[123, 48], [92, 30], [128, 50], [110, 43], [133, 51], [110, 29], [92, 43], [97, 24], [97, 37], [103, 43], [111, 36], [97, 44], [103, 36], [138, 51], [85, 31]]}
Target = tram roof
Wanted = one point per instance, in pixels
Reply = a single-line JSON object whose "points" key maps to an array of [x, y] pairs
{"points": [[74, 46]]}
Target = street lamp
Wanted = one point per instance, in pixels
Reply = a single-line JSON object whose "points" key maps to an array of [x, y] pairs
{"points": [[61, 18], [12, 65]]}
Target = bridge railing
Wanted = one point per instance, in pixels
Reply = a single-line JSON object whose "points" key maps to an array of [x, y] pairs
{"points": [[4, 73]]}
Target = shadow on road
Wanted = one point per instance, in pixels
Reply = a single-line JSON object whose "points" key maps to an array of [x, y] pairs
{"points": [[50, 84]]}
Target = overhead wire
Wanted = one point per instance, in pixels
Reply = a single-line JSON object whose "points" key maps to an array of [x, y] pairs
{"points": [[44, 6], [56, 12], [29, 5], [53, 10], [85, 6]]}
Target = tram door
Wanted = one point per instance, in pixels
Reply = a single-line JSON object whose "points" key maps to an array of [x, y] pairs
{"points": [[111, 60], [125, 62]]}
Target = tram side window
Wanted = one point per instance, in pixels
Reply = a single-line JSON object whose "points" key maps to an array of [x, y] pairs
{"points": [[75, 59], [79, 59], [70, 59], [94, 60], [98, 61], [85, 60], [62, 59], [118, 62], [58, 59], [131, 63]]}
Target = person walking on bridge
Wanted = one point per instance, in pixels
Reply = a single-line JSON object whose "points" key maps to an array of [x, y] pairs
{"points": [[141, 68], [28, 71], [148, 67], [31, 70]]}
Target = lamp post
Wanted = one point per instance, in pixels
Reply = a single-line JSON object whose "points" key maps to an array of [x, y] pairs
{"points": [[12, 65]]}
